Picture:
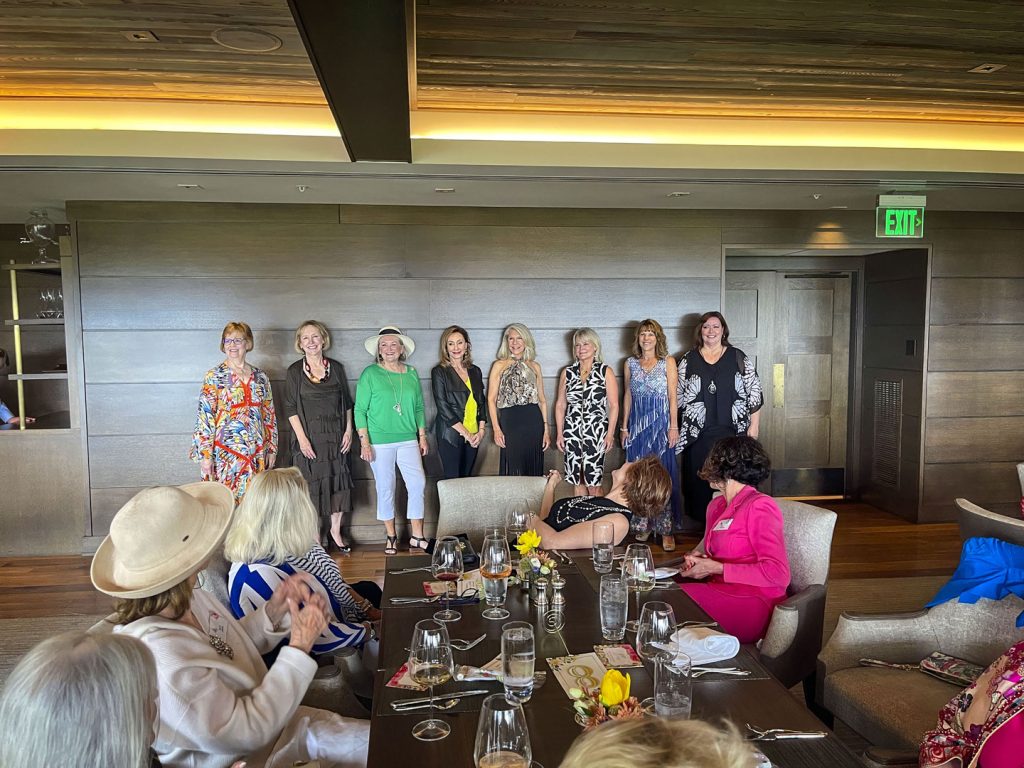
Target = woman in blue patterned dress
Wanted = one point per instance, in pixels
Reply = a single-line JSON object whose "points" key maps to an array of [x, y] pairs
{"points": [[586, 412], [649, 415], [275, 534]]}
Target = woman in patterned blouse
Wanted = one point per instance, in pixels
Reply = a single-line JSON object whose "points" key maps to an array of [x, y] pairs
{"points": [[236, 429], [516, 404]]}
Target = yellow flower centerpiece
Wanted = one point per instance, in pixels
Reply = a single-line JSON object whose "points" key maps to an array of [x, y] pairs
{"points": [[611, 701], [533, 561]]}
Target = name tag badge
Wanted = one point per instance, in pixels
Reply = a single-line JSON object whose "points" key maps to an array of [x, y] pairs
{"points": [[218, 627], [723, 525]]}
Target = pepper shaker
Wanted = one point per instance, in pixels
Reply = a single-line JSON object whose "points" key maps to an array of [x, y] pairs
{"points": [[557, 584], [542, 591]]}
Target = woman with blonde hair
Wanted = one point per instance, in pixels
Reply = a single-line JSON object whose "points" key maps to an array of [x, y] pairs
{"points": [[656, 742], [318, 407], [273, 536], [218, 701], [458, 388], [80, 701], [649, 419], [236, 428], [517, 406], [586, 412]]}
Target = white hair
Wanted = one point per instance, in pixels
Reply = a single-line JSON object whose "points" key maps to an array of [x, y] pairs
{"points": [[275, 520], [79, 701], [588, 335], [524, 333]]}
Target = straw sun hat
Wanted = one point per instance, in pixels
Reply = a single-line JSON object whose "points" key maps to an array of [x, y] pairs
{"points": [[389, 330], [161, 537]]}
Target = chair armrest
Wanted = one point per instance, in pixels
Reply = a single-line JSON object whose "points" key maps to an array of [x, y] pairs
{"points": [[793, 638]]}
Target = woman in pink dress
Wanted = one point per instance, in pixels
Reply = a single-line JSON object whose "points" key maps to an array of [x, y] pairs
{"points": [[742, 559]]}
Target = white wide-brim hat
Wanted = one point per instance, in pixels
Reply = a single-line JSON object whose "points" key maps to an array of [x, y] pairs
{"points": [[389, 330], [161, 537]]}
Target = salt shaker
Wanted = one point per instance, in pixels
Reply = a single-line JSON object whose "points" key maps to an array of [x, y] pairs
{"points": [[557, 584], [542, 591]]}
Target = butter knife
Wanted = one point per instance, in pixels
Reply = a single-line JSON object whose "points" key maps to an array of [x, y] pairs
{"points": [[401, 703]]}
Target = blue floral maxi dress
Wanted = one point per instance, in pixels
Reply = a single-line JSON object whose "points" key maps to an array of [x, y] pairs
{"points": [[648, 436]]}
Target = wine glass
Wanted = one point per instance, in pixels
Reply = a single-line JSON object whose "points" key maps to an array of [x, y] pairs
{"points": [[657, 624], [517, 519], [502, 739], [447, 567], [430, 663], [495, 568], [638, 568]]}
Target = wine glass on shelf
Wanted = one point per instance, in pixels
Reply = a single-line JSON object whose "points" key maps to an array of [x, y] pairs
{"points": [[502, 738], [447, 568], [430, 663], [495, 568], [638, 568], [517, 519]]}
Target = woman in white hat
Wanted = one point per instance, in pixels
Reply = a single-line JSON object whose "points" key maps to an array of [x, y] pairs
{"points": [[218, 702], [393, 430]]}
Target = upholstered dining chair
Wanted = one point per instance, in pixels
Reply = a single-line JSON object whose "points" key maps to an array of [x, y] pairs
{"points": [[471, 504], [978, 522], [791, 644]]}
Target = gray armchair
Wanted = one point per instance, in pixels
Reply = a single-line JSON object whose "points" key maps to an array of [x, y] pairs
{"points": [[975, 521], [793, 639], [471, 504]]}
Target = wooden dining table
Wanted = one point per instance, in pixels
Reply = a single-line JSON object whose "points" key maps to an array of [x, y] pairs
{"points": [[758, 699]]}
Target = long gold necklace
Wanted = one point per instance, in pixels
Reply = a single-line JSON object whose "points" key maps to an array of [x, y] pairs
{"points": [[397, 407]]}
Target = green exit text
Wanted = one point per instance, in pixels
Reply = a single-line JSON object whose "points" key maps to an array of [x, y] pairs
{"points": [[899, 222]]}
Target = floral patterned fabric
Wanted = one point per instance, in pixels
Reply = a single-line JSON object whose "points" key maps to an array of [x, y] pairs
{"points": [[691, 396], [957, 741], [235, 427]]}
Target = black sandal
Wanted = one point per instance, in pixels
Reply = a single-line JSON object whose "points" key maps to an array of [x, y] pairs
{"points": [[391, 545]]}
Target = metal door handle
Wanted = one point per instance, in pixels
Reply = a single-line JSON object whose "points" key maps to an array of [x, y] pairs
{"points": [[779, 385]]}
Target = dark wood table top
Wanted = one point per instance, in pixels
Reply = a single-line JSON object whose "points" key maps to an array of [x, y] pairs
{"points": [[758, 699]]}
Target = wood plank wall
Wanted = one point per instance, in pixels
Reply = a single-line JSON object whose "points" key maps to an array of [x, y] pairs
{"points": [[159, 280]]}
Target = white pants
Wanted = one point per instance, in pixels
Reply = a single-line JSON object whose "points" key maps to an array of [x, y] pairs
{"points": [[314, 734], [407, 457]]}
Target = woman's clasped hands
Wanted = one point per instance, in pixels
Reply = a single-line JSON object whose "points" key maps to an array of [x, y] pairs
{"points": [[697, 565]]}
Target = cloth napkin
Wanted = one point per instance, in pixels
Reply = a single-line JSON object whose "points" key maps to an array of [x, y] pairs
{"points": [[703, 645]]}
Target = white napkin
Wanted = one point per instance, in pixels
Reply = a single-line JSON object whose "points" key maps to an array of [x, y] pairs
{"points": [[703, 645]]}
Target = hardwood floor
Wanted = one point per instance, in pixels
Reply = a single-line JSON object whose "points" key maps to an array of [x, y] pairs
{"points": [[879, 563]]}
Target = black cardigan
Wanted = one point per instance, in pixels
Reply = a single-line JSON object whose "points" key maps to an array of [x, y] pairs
{"points": [[450, 398]]}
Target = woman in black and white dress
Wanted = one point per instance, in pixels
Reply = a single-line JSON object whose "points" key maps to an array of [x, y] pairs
{"points": [[586, 412]]}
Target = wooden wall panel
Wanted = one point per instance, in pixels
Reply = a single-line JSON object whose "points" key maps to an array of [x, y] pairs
{"points": [[957, 253], [981, 439], [982, 483], [885, 346], [976, 393], [984, 301], [190, 213], [893, 302], [969, 348]]}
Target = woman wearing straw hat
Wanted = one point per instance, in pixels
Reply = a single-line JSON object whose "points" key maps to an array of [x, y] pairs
{"points": [[393, 430], [218, 701]]}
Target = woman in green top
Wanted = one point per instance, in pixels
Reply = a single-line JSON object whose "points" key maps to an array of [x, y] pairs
{"points": [[392, 430]]}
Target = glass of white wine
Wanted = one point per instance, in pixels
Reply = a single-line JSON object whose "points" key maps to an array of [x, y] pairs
{"points": [[495, 568], [430, 663], [502, 739], [638, 569]]}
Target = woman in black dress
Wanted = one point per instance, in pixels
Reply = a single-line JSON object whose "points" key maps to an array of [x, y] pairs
{"points": [[639, 488], [458, 388], [318, 407], [719, 395]]}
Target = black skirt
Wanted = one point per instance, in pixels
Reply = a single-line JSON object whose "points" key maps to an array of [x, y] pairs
{"points": [[523, 427]]}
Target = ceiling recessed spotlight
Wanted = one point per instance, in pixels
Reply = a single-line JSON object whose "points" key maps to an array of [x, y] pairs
{"points": [[816, 196], [190, 186], [444, 190], [246, 39], [987, 69], [301, 187], [140, 36], [678, 194]]}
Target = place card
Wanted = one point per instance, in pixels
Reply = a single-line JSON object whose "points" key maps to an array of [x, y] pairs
{"points": [[402, 679], [470, 580], [584, 671], [618, 656]]}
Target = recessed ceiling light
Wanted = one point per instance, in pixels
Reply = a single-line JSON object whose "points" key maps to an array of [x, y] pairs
{"points": [[816, 196], [986, 69], [301, 187], [140, 36], [678, 194], [246, 39], [444, 190], [190, 186]]}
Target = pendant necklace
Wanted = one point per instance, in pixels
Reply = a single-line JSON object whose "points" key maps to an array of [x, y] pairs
{"points": [[397, 407]]}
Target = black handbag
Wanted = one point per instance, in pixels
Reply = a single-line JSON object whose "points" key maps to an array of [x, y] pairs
{"points": [[470, 559]]}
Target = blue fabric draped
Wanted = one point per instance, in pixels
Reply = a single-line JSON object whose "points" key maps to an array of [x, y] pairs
{"points": [[988, 568]]}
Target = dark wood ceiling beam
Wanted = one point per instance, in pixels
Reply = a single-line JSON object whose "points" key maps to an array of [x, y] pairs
{"points": [[359, 49]]}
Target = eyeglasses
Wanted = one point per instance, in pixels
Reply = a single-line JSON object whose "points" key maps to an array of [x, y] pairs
{"points": [[232, 342]]}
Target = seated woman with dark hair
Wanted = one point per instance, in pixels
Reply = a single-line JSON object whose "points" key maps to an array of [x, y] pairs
{"points": [[639, 488], [743, 554]]}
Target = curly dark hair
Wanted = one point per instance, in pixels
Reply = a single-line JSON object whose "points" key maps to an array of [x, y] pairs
{"points": [[739, 458]]}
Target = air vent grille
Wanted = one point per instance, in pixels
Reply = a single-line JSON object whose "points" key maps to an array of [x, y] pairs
{"points": [[888, 410]]}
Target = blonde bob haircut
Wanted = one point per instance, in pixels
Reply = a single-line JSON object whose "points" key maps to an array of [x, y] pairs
{"points": [[325, 335], [447, 333], [275, 520], [654, 742], [79, 701], [531, 347], [236, 326], [660, 348], [584, 335]]}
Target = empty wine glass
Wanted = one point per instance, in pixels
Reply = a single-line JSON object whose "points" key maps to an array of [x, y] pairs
{"points": [[638, 568], [448, 568], [654, 634], [430, 663], [502, 738], [517, 519], [495, 568]]}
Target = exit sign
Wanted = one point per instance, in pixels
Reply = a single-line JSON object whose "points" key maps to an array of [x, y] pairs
{"points": [[899, 222]]}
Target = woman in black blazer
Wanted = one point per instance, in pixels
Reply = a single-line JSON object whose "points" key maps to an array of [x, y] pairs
{"points": [[458, 388]]}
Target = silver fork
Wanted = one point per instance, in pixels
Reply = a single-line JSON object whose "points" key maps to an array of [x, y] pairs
{"points": [[776, 734], [735, 671], [412, 600], [464, 645]]}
